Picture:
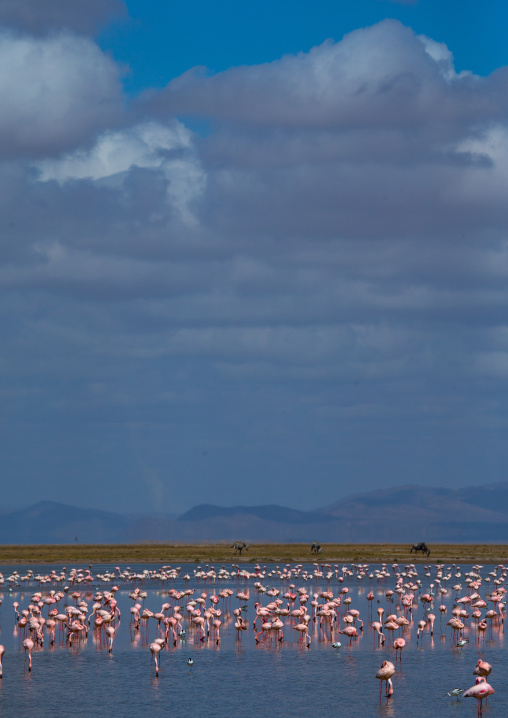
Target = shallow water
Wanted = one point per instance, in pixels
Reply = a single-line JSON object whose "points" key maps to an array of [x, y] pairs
{"points": [[240, 678]]}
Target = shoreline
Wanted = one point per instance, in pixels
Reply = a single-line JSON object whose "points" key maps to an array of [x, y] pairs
{"points": [[167, 553]]}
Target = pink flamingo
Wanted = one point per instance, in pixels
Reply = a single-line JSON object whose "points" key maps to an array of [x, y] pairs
{"points": [[2, 651], [391, 626], [430, 619], [110, 632], [421, 628], [28, 644], [350, 632], [265, 628], [377, 626], [50, 627], [170, 623], [480, 690], [75, 629], [261, 612], [370, 598], [199, 621], [385, 673], [399, 644], [240, 627], [481, 627], [303, 629], [216, 623], [356, 615], [277, 626], [482, 668], [155, 650]]}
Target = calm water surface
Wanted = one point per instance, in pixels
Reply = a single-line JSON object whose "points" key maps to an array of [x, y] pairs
{"points": [[241, 678]]}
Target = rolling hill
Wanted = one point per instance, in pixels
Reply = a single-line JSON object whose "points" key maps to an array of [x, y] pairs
{"points": [[399, 514]]}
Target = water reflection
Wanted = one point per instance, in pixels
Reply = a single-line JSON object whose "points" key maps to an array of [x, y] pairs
{"points": [[272, 676]]}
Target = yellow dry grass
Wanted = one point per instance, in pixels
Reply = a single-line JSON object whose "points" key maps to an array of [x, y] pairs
{"points": [[214, 553]]}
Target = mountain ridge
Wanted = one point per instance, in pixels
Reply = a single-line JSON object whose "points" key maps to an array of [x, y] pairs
{"points": [[404, 513]]}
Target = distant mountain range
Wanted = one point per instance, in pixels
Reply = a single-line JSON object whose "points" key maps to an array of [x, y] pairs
{"points": [[399, 514]]}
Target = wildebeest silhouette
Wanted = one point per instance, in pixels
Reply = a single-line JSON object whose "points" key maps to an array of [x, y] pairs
{"points": [[315, 548], [420, 547], [239, 546]]}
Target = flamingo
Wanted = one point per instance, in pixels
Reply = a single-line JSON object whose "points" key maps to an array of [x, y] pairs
{"points": [[2, 651], [240, 626], [399, 644], [155, 650], [110, 632], [377, 626], [28, 644], [216, 623], [421, 628], [482, 668], [356, 614], [480, 690], [50, 627], [481, 627], [265, 627], [430, 619], [350, 632], [303, 629], [385, 673]]}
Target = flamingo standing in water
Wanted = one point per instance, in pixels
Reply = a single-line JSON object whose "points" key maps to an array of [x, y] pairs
{"points": [[110, 632], [350, 632], [303, 629], [385, 673], [2, 651], [28, 644], [398, 644], [240, 626], [480, 690], [377, 626], [421, 628], [482, 668], [155, 648], [356, 614], [430, 619]]}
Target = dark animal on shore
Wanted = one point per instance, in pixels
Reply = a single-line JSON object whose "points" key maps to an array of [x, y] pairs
{"points": [[315, 548], [238, 546], [420, 547]]}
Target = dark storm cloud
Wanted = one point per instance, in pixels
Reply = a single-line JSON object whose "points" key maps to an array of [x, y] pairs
{"points": [[39, 16], [321, 277]]}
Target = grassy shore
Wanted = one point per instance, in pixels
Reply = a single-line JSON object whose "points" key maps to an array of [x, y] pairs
{"points": [[76, 554]]}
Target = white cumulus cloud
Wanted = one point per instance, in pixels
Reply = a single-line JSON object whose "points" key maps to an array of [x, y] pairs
{"points": [[152, 145]]}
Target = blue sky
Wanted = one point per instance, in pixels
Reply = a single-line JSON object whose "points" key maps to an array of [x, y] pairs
{"points": [[161, 40], [279, 279]]}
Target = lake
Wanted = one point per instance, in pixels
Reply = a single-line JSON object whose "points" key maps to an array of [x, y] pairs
{"points": [[242, 677]]}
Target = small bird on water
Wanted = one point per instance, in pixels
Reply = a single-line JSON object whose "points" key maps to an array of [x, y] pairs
{"points": [[455, 693], [190, 662], [462, 643], [336, 645]]}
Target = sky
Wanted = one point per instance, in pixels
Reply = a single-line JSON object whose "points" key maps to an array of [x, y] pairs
{"points": [[251, 252]]}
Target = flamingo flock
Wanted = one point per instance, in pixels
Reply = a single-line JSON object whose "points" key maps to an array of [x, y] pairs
{"points": [[78, 602]]}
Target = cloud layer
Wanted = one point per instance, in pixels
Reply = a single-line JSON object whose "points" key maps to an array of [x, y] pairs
{"points": [[40, 16], [54, 92], [313, 287]]}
